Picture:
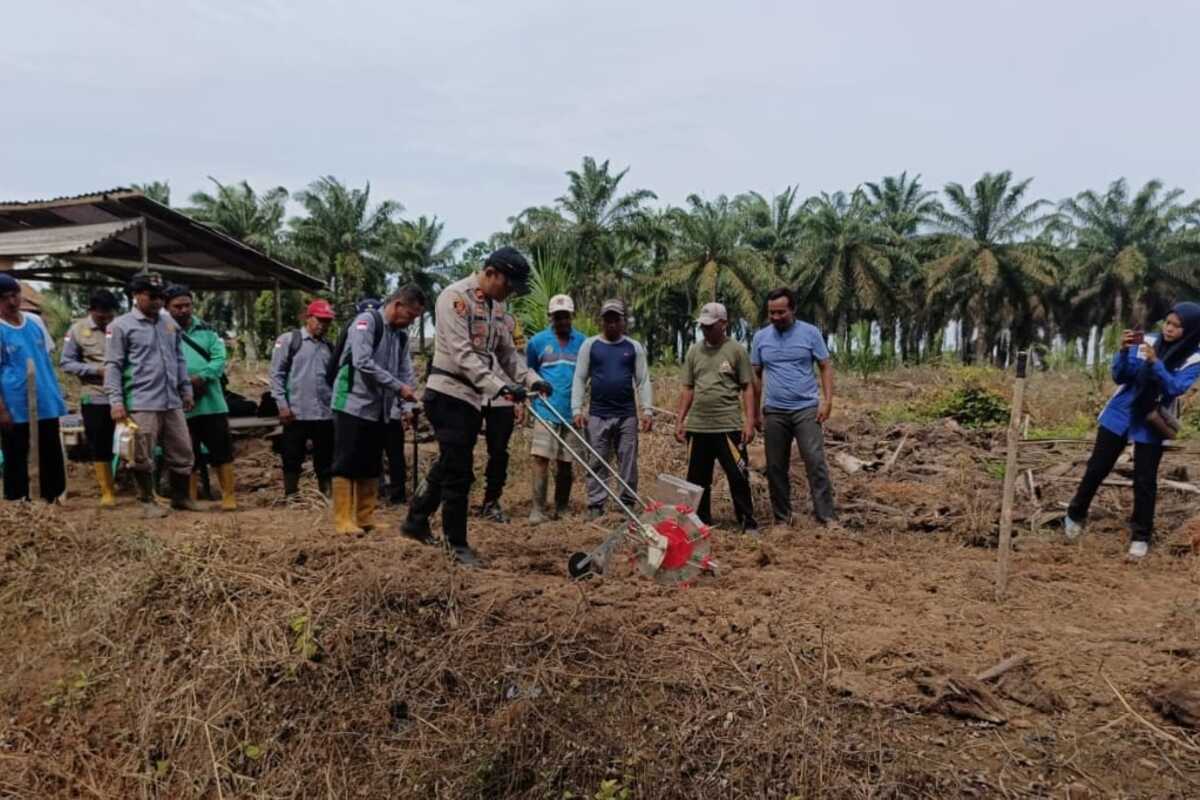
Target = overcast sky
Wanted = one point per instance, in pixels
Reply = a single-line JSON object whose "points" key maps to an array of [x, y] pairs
{"points": [[473, 111]]}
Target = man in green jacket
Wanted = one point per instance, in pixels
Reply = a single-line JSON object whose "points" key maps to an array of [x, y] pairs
{"points": [[208, 421]]}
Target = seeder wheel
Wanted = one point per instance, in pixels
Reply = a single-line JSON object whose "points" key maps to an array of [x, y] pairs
{"points": [[576, 567]]}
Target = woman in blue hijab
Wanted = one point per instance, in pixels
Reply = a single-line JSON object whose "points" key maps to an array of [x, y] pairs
{"points": [[1150, 375]]}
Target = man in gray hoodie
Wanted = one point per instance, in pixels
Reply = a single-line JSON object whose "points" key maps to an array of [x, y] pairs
{"points": [[369, 378]]}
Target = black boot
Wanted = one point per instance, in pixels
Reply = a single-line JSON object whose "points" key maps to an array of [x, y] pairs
{"points": [[180, 496], [145, 491], [562, 489], [324, 485], [291, 482]]}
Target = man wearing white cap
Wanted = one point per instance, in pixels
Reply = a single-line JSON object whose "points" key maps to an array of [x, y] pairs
{"points": [[552, 353], [716, 415]]}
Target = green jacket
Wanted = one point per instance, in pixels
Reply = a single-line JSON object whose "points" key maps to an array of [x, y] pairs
{"points": [[210, 399]]}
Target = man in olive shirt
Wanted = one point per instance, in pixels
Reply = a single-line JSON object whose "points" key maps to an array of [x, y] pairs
{"points": [[716, 415]]}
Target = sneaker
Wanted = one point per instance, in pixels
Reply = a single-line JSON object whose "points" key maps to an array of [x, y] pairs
{"points": [[1072, 529], [536, 517], [493, 512], [594, 514], [1138, 550], [418, 530], [465, 556], [752, 531]]}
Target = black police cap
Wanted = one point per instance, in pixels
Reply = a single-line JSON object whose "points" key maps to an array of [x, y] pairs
{"points": [[146, 281], [510, 262]]}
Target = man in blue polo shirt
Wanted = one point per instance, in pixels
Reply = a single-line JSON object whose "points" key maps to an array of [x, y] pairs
{"points": [[552, 354], [790, 354]]}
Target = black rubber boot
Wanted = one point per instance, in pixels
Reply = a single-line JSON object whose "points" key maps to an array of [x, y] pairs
{"points": [[180, 496], [145, 490], [291, 482], [562, 489]]}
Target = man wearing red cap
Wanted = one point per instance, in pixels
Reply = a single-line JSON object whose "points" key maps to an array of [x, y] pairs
{"points": [[299, 365]]}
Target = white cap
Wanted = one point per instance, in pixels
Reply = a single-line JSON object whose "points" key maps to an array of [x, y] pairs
{"points": [[561, 302], [711, 313]]}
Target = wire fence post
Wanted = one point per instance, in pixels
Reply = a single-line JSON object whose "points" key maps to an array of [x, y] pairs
{"points": [[1004, 555]]}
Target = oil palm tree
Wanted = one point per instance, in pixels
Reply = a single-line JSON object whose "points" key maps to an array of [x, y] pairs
{"points": [[419, 255], [343, 232], [709, 256], [158, 191], [846, 261], [237, 210], [774, 227], [904, 206], [591, 221], [990, 270], [1127, 249]]}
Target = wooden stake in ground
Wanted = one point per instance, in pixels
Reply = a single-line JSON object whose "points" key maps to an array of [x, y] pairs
{"points": [[35, 472], [1010, 478]]}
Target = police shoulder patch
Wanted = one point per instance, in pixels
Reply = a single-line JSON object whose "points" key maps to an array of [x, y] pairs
{"points": [[460, 307]]}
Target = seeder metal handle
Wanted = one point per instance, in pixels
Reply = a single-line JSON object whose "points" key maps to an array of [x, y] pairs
{"points": [[592, 450], [616, 498]]}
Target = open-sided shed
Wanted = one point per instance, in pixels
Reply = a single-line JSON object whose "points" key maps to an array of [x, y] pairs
{"points": [[104, 237]]}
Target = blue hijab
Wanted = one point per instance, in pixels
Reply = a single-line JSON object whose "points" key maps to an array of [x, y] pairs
{"points": [[1173, 355]]}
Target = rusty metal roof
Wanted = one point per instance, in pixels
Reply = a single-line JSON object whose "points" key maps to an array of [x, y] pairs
{"points": [[106, 241]]}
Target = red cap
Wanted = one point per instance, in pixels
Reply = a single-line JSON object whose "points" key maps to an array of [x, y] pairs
{"points": [[320, 309]]}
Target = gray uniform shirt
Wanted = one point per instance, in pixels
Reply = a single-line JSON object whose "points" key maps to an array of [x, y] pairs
{"points": [[144, 361], [370, 391], [303, 388], [473, 352], [83, 356]]}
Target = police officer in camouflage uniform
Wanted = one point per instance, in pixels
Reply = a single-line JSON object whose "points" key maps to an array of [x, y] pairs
{"points": [[146, 380], [368, 381], [473, 358]]}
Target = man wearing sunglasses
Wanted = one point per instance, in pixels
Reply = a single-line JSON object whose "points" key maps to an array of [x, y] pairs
{"points": [[473, 355]]}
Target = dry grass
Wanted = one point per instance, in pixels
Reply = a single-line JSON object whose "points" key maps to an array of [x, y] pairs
{"points": [[254, 655]]}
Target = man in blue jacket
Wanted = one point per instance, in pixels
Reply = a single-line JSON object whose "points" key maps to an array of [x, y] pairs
{"points": [[552, 353]]}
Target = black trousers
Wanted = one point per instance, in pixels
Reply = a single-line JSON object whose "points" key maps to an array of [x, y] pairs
{"points": [[397, 470], [212, 431], [14, 443], [703, 450], [456, 425], [98, 428], [499, 423], [1146, 458], [293, 446], [357, 447]]}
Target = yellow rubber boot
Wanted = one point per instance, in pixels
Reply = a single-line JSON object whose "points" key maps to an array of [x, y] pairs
{"points": [[225, 476], [194, 487], [104, 477], [366, 500], [343, 507]]}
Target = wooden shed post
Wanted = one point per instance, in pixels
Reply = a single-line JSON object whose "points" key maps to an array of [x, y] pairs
{"points": [[278, 311]]}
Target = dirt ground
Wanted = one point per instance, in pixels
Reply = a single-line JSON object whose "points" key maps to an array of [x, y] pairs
{"points": [[256, 655]]}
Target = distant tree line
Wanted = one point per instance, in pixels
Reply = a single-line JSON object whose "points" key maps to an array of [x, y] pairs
{"points": [[885, 268]]}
